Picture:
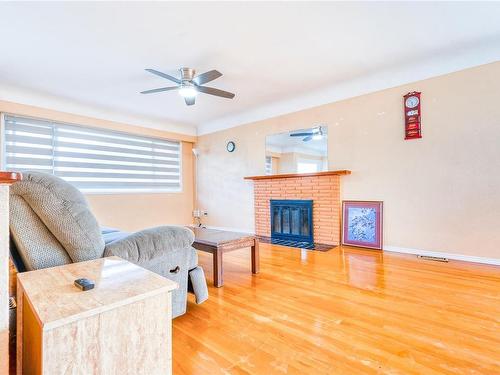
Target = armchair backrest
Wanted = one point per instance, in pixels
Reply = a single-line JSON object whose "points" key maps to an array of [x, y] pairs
{"points": [[51, 223]]}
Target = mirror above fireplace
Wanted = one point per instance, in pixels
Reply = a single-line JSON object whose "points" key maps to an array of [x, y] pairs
{"points": [[297, 151]]}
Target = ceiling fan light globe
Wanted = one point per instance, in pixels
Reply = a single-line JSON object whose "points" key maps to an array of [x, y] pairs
{"points": [[188, 92]]}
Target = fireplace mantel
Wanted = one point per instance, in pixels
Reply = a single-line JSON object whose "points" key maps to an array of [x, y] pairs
{"points": [[341, 172]]}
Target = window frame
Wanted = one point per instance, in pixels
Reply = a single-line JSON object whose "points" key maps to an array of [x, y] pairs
{"points": [[180, 189]]}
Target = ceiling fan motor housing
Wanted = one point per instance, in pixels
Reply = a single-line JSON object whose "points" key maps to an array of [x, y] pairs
{"points": [[187, 74]]}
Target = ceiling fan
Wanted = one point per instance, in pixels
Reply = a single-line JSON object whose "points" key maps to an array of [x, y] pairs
{"points": [[315, 133], [189, 85]]}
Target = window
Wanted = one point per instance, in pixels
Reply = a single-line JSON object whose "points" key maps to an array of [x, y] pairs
{"points": [[308, 166], [269, 165], [92, 159]]}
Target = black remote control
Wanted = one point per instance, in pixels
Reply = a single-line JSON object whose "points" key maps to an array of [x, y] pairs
{"points": [[84, 284]]}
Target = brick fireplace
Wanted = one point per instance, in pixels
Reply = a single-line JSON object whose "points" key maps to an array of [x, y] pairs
{"points": [[323, 188]]}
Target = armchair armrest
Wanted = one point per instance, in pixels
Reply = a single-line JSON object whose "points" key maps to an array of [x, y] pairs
{"points": [[148, 244]]}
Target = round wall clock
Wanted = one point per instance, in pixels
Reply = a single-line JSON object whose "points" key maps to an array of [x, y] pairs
{"points": [[230, 146]]}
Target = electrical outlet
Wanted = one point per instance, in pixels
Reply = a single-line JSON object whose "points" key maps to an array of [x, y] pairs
{"points": [[204, 213]]}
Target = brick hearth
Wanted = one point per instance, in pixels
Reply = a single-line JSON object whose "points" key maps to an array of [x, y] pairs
{"points": [[323, 188]]}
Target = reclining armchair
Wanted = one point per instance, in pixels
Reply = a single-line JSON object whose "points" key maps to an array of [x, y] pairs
{"points": [[51, 225]]}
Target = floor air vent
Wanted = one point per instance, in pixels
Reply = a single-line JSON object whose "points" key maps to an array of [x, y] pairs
{"points": [[12, 303], [436, 259]]}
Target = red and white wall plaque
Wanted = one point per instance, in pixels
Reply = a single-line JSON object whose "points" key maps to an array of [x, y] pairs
{"points": [[411, 104]]}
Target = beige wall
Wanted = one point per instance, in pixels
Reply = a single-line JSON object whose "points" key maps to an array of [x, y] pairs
{"points": [[130, 211], [441, 193]]}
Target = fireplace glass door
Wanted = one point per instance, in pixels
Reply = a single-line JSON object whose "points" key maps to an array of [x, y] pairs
{"points": [[292, 220]]}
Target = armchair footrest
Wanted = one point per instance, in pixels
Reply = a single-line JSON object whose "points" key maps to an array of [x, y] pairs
{"points": [[198, 284]]}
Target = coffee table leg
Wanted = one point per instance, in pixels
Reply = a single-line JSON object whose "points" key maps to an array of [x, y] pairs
{"points": [[217, 260], [255, 257]]}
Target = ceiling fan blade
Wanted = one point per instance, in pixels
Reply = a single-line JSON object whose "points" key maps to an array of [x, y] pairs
{"points": [[163, 75], [189, 100], [159, 90], [206, 77], [300, 134], [308, 138], [216, 92]]}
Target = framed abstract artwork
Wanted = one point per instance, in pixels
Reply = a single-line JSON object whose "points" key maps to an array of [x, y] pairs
{"points": [[362, 224]]}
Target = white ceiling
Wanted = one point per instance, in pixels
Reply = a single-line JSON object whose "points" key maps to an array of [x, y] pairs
{"points": [[89, 57]]}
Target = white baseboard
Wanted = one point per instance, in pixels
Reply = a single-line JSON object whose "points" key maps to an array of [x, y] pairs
{"points": [[465, 258]]}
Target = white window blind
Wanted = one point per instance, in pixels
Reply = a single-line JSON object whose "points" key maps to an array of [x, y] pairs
{"points": [[92, 159]]}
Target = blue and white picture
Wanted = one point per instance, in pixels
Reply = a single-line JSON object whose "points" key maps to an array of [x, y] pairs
{"points": [[362, 222], [361, 225]]}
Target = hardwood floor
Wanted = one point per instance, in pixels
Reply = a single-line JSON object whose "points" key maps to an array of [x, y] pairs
{"points": [[346, 311]]}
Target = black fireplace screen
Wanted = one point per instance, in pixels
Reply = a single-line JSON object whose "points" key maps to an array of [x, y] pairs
{"points": [[292, 220]]}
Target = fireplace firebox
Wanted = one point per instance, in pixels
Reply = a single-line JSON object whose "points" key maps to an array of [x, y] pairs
{"points": [[292, 220]]}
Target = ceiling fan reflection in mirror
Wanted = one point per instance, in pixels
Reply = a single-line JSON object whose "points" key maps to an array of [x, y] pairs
{"points": [[190, 85], [314, 134]]}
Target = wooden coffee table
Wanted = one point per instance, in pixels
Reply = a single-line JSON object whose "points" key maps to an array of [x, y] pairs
{"points": [[218, 242]]}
